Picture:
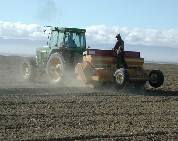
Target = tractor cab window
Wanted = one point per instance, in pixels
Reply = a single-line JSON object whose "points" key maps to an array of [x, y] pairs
{"points": [[61, 39], [54, 39], [80, 40], [69, 40], [75, 39]]}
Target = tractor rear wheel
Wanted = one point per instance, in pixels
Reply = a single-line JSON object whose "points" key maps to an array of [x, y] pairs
{"points": [[157, 78], [55, 68], [28, 69], [121, 77]]}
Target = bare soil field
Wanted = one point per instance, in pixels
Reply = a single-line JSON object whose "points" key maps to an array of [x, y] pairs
{"points": [[39, 112]]}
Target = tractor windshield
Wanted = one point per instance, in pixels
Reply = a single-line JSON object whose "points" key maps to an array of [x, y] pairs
{"points": [[68, 39], [75, 39]]}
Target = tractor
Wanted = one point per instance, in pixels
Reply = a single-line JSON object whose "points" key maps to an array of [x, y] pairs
{"points": [[64, 51], [67, 52]]}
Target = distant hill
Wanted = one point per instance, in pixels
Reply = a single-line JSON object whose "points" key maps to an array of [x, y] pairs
{"points": [[21, 42], [20, 46], [150, 53]]}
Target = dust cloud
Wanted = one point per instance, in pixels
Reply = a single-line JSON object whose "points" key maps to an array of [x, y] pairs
{"points": [[47, 11], [10, 77]]}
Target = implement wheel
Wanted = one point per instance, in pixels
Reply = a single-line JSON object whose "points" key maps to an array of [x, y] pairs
{"points": [[120, 77], [55, 68], [157, 78]]}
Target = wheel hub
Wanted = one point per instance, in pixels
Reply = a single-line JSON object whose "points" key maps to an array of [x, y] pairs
{"points": [[154, 78], [119, 78]]}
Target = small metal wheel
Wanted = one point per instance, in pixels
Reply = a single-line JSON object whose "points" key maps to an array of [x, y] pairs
{"points": [[121, 77]]}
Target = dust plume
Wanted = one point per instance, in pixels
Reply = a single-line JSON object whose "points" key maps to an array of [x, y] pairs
{"points": [[47, 10]]}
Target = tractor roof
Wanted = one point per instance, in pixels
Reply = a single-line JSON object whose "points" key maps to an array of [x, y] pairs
{"points": [[68, 29]]}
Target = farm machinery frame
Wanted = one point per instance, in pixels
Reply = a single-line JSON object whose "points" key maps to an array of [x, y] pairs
{"points": [[67, 52]]}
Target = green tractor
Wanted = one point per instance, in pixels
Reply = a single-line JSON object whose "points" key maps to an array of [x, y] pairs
{"points": [[64, 51]]}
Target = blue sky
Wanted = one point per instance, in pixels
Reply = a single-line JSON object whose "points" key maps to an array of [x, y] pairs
{"points": [[141, 22], [156, 14]]}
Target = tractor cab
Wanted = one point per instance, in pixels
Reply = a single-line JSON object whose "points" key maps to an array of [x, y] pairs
{"points": [[68, 38], [69, 42]]}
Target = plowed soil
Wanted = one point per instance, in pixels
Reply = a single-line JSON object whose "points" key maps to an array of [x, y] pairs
{"points": [[37, 111]]}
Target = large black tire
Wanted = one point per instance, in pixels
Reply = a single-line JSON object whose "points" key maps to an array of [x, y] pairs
{"points": [[28, 69], [121, 77], [157, 78], [55, 68]]}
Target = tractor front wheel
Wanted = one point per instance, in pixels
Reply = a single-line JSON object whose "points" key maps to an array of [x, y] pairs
{"points": [[156, 78], [28, 69], [55, 68]]}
